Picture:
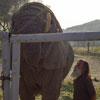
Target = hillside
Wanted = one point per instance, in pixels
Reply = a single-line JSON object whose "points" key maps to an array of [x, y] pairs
{"points": [[87, 27]]}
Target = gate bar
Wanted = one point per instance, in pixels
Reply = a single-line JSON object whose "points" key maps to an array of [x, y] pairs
{"points": [[6, 68], [15, 70], [54, 37]]}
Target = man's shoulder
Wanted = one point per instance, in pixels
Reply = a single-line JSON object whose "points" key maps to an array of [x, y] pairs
{"points": [[86, 78], [83, 78]]}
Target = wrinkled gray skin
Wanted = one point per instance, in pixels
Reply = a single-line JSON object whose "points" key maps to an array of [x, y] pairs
{"points": [[43, 65]]}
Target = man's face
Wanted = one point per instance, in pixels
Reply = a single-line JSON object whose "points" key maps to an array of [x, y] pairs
{"points": [[78, 69], [79, 66]]}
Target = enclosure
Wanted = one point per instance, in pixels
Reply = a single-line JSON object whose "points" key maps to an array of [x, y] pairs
{"points": [[10, 76]]}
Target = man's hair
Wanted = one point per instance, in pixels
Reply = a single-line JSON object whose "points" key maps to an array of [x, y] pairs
{"points": [[87, 69], [86, 66]]}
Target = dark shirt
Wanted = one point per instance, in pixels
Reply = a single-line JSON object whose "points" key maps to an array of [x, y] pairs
{"points": [[83, 88]]}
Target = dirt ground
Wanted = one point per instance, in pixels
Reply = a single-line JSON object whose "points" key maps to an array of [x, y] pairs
{"points": [[94, 63]]}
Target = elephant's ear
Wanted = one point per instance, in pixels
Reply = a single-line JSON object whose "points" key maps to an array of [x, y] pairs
{"points": [[48, 22]]}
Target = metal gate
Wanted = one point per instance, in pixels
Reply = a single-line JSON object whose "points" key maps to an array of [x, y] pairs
{"points": [[10, 76]]}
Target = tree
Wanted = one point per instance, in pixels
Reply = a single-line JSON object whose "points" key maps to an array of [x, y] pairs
{"points": [[7, 7]]}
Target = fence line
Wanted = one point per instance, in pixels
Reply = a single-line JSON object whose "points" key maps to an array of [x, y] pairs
{"points": [[46, 37], [6, 69], [16, 40]]}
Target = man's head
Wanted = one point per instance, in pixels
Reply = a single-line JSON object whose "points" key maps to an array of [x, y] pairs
{"points": [[82, 67]]}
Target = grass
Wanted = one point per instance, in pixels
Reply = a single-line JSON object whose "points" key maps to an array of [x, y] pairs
{"points": [[66, 92], [98, 92], [83, 51], [1, 95]]}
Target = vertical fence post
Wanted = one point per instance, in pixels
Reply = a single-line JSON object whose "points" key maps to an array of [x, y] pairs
{"points": [[15, 70], [6, 68]]}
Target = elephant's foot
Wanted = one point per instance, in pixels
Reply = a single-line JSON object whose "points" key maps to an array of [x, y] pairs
{"points": [[25, 93]]}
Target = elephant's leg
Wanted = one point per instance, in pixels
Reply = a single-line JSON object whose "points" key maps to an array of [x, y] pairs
{"points": [[25, 93], [51, 87]]}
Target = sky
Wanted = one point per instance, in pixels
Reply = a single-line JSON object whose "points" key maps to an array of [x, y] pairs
{"points": [[74, 12]]}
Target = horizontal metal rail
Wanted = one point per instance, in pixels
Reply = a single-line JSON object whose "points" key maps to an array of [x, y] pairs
{"points": [[54, 37]]}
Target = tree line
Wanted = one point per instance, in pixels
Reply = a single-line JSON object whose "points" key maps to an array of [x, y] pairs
{"points": [[7, 8]]}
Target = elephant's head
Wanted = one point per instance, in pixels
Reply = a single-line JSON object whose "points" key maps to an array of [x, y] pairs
{"points": [[34, 18]]}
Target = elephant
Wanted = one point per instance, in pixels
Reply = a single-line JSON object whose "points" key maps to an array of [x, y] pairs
{"points": [[43, 65]]}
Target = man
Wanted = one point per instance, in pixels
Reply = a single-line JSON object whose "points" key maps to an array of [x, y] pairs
{"points": [[83, 86]]}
